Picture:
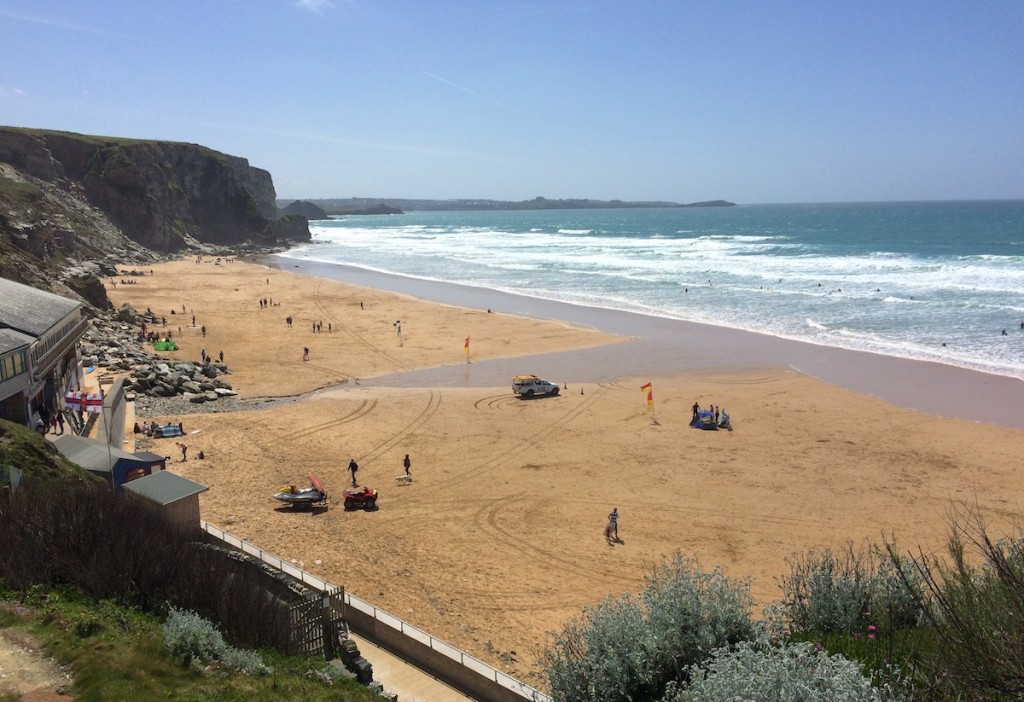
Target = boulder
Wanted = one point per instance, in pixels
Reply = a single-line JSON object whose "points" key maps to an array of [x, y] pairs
{"points": [[164, 390], [128, 314]]}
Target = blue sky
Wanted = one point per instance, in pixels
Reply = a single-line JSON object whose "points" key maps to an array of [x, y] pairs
{"points": [[753, 102]]}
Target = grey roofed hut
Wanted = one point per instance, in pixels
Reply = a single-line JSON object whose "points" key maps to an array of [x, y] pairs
{"points": [[114, 465], [175, 496]]}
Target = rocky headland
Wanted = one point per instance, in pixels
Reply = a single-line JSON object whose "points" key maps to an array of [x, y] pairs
{"points": [[73, 206]]}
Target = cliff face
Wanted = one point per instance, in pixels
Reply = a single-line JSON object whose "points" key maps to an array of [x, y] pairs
{"points": [[73, 206], [158, 193]]}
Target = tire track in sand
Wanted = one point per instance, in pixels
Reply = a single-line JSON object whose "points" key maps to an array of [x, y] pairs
{"points": [[493, 462], [354, 335]]}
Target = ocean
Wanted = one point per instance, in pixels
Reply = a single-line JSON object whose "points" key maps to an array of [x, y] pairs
{"points": [[935, 281]]}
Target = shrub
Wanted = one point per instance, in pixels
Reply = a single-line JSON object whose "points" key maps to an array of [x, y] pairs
{"points": [[630, 648], [788, 672], [975, 607], [846, 592], [195, 642], [245, 662], [192, 639]]}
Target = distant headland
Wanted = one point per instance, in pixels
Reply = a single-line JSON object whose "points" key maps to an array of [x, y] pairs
{"points": [[361, 205]]}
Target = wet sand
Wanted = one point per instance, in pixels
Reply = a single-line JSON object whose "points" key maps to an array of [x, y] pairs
{"points": [[498, 540], [671, 346]]}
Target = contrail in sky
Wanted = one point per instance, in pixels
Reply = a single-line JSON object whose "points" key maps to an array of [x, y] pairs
{"points": [[459, 87]]}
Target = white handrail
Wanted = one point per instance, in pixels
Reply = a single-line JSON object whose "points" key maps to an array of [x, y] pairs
{"points": [[472, 663]]}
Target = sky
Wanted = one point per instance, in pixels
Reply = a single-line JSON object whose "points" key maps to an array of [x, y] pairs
{"points": [[752, 102]]}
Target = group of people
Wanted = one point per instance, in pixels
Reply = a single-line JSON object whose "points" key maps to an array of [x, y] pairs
{"points": [[153, 429], [353, 468], [50, 422], [209, 359], [715, 413]]}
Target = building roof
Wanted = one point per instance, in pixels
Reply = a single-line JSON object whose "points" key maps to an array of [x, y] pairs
{"points": [[93, 455], [164, 487], [31, 311], [11, 340]]}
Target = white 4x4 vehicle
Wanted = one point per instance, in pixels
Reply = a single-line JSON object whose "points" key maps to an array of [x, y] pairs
{"points": [[531, 385]]}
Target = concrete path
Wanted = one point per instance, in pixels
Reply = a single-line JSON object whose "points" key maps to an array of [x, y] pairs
{"points": [[410, 683]]}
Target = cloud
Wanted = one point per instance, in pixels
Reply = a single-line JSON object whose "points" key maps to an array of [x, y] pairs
{"points": [[10, 92], [459, 87], [317, 6], [55, 23]]}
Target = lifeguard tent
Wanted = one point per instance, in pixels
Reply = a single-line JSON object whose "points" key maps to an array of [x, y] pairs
{"points": [[115, 466], [176, 497]]}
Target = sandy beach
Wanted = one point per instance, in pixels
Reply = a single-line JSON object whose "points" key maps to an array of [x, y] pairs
{"points": [[498, 540]]}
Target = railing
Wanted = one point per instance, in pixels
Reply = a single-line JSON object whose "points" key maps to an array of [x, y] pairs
{"points": [[403, 627]]}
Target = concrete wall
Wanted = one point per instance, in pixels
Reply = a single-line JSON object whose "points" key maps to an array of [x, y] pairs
{"points": [[440, 665]]}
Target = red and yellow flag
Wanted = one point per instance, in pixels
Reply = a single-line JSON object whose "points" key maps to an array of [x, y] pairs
{"points": [[467, 344], [650, 395]]}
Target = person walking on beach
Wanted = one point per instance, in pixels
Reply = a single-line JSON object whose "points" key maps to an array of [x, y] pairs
{"points": [[184, 451], [305, 353], [611, 532], [406, 463], [353, 468]]}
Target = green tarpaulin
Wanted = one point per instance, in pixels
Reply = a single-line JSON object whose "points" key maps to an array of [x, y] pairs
{"points": [[165, 346]]}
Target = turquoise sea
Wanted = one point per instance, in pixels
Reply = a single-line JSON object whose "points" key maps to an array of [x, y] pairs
{"points": [[936, 281]]}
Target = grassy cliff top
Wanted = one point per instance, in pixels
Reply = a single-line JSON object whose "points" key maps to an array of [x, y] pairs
{"points": [[35, 456]]}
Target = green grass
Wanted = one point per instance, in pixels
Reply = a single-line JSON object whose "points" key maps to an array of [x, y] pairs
{"points": [[101, 140], [118, 654], [17, 193], [37, 458]]}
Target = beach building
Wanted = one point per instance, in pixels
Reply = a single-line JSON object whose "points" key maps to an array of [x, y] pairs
{"points": [[39, 334], [101, 459], [175, 496]]}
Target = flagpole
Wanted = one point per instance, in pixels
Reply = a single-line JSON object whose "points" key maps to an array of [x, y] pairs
{"points": [[650, 400]]}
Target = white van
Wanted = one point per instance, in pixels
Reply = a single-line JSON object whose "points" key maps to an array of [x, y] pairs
{"points": [[531, 385]]}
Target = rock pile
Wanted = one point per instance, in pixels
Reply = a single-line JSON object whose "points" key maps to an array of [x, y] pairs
{"points": [[112, 343]]}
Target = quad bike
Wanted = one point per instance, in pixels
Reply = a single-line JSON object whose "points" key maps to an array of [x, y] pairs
{"points": [[363, 498]]}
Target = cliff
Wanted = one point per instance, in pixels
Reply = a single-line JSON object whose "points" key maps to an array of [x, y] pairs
{"points": [[67, 198]]}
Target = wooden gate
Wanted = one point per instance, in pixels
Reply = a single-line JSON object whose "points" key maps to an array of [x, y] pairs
{"points": [[317, 622]]}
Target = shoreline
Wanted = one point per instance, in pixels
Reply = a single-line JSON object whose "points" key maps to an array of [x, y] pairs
{"points": [[663, 346], [498, 541]]}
